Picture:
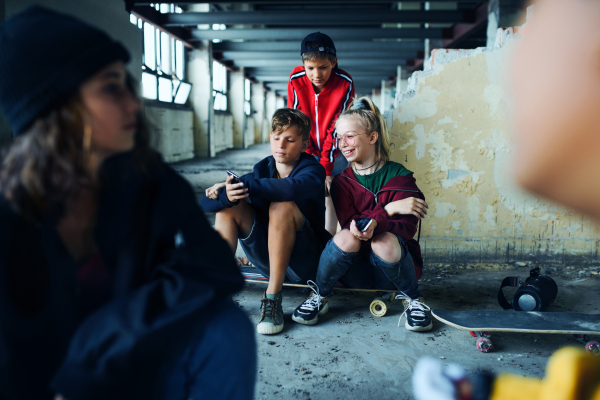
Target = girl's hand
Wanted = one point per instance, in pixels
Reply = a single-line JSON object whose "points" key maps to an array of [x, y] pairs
{"points": [[328, 180], [411, 205], [235, 191], [367, 234], [213, 191]]}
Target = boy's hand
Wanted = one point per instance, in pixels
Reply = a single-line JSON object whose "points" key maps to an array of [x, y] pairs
{"points": [[328, 180], [367, 234], [411, 205], [213, 191], [235, 191]]}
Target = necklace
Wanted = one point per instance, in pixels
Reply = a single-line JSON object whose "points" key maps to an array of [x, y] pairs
{"points": [[356, 169]]}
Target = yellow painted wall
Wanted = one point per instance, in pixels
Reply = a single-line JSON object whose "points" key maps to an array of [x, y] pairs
{"points": [[455, 134]]}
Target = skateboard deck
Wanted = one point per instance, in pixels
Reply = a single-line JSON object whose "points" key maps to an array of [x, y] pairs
{"points": [[378, 306], [480, 323], [521, 321]]}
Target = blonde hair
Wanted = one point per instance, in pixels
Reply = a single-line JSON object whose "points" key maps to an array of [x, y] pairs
{"points": [[368, 116]]}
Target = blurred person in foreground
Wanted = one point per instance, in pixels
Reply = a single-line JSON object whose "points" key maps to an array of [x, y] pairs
{"points": [[557, 120], [112, 283]]}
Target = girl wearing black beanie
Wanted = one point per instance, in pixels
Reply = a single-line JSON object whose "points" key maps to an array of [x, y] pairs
{"points": [[112, 283]]}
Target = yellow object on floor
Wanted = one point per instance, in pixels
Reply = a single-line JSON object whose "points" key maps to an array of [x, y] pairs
{"points": [[571, 374]]}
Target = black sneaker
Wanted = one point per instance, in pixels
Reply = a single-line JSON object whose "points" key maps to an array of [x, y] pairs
{"points": [[416, 314], [308, 312]]}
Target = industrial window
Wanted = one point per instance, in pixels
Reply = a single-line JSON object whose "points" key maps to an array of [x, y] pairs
{"points": [[163, 69], [247, 108], [220, 86]]}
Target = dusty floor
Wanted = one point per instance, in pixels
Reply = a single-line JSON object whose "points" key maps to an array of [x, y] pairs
{"points": [[351, 354]]}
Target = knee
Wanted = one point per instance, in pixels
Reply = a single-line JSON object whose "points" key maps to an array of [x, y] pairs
{"points": [[346, 241], [286, 211], [387, 247], [235, 213], [282, 208]]}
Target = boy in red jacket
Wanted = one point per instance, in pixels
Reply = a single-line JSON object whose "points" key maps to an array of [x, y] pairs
{"points": [[322, 91]]}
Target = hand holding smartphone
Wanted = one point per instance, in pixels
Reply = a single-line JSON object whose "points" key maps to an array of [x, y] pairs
{"points": [[363, 223], [236, 179]]}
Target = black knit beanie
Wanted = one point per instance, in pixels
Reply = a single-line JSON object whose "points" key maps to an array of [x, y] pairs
{"points": [[44, 57]]}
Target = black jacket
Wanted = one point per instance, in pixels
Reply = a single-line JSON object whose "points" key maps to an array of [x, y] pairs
{"points": [[305, 186], [168, 268]]}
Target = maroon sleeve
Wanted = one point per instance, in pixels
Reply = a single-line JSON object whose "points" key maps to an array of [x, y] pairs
{"points": [[342, 202], [402, 225]]}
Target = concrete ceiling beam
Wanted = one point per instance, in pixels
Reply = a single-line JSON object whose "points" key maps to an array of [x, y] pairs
{"points": [[295, 55], [359, 46], [337, 34], [325, 17], [291, 63]]}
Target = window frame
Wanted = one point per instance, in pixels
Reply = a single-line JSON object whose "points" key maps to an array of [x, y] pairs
{"points": [[176, 72], [223, 88]]}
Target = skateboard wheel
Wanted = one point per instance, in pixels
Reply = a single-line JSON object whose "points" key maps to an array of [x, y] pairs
{"points": [[484, 345], [378, 308], [593, 347]]}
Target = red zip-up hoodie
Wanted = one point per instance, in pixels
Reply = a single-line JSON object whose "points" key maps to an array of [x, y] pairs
{"points": [[322, 108], [352, 200]]}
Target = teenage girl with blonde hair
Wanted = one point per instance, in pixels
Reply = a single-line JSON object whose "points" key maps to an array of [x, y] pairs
{"points": [[382, 195]]}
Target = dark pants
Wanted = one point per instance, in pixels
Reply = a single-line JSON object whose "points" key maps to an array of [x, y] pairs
{"points": [[220, 364], [366, 270], [303, 260]]}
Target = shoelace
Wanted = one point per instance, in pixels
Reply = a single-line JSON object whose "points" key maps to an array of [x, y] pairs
{"points": [[267, 308], [314, 301], [416, 307]]}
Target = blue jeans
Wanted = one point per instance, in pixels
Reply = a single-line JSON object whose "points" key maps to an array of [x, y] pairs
{"points": [[366, 270], [305, 254], [220, 363]]}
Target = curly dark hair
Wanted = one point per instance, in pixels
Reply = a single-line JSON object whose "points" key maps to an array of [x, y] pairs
{"points": [[46, 167]]}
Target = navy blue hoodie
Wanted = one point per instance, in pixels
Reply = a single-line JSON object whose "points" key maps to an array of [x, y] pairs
{"points": [[305, 186], [161, 290]]}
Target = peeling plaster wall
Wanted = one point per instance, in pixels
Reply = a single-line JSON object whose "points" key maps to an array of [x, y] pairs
{"points": [[452, 128]]}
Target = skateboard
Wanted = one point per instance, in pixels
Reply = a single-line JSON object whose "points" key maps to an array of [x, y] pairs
{"points": [[378, 307], [481, 323]]}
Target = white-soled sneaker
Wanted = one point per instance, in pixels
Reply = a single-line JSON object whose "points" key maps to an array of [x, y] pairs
{"points": [[416, 314], [308, 312]]}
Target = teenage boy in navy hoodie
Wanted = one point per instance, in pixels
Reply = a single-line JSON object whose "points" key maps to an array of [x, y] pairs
{"points": [[281, 228], [321, 90]]}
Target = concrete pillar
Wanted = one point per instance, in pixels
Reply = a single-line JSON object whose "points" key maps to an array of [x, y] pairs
{"points": [[235, 97], [257, 101], [503, 14], [200, 75], [271, 106], [280, 103]]}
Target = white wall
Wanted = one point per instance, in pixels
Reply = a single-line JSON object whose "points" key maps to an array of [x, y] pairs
{"points": [[174, 132], [223, 128]]}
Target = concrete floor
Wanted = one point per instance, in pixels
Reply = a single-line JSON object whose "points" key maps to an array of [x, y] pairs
{"points": [[351, 354]]}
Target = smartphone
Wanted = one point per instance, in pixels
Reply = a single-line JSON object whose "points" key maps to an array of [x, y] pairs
{"points": [[236, 179], [363, 223]]}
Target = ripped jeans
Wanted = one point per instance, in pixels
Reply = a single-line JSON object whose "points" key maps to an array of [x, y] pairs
{"points": [[366, 270]]}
